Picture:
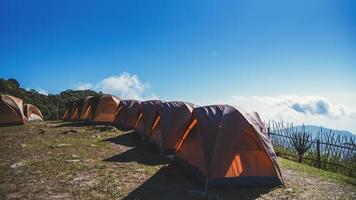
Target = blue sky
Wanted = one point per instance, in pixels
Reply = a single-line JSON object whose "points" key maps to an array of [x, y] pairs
{"points": [[201, 51]]}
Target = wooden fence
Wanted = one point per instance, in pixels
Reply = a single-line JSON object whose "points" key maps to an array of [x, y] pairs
{"points": [[323, 155]]}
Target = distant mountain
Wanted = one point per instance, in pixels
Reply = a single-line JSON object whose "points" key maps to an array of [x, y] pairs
{"points": [[316, 129]]}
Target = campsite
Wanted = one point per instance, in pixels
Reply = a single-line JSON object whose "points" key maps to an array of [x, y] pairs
{"points": [[101, 150], [179, 99], [65, 160]]}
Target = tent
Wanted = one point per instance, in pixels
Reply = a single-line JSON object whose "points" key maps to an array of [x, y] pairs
{"points": [[11, 111], [171, 121], [77, 108], [106, 109], [147, 118], [67, 116], [32, 113], [127, 114], [224, 147], [90, 110], [73, 110], [85, 107], [66, 112]]}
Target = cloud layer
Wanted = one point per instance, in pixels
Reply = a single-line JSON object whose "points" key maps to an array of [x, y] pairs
{"points": [[125, 85], [298, 109]]}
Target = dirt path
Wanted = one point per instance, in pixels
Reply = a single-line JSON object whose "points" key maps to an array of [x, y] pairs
{"points": [[53, 160]]}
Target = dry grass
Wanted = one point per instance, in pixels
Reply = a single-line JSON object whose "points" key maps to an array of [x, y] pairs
{"points": [[54, 160]]}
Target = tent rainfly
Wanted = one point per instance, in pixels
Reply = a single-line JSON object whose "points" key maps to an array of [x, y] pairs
{"points": [[77, 109], [32, 113], [127, 114], [224, 147], [11, 111], [106, 109], [147, 117], [90, 110], [171, 121], [84, 109]]}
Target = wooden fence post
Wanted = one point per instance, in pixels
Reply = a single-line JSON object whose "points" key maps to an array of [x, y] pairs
{"points": [[318, 159]]}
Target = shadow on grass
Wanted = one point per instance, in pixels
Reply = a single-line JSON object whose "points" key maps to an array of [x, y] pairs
{"points": [[142, 153], [130, 139], [171, 182]]}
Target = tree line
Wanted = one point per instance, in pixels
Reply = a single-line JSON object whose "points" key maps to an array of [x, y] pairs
{"points": [[52, 106]]}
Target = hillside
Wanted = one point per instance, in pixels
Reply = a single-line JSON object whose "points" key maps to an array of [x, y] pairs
{"points": [[52, 105], [56, 160]]}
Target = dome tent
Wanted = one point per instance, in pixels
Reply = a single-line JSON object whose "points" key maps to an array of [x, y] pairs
{"points": [[32, 113], [171, 120], [224, 147], [68, 111], [11, 111], [147, 117], [84, 108], [106, 109], [127, 114]]}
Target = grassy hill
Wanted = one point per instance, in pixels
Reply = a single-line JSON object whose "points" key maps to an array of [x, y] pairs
{"points": [[56, 160]]}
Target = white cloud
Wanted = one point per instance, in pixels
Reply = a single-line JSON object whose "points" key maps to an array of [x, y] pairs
{"points": [[42, 91], [299, 109], [125, 85]]}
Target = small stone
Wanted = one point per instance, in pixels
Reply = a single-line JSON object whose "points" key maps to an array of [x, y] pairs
{"points": [[289, 190], [72, 161], [17, 165], [62, 145], [22, 145], [74, 156]]}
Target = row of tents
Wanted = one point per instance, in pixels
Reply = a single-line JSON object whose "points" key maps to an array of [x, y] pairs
{"points": [[13, 111], [218, 143]]}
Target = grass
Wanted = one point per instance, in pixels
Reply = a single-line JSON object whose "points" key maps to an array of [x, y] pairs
{"points": [[288, 164], [53, 160]]}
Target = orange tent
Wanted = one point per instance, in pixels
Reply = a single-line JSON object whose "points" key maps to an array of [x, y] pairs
{"points": [[67, 116], [106, 109], [127, 114], [11, 111], [74, 110], [147, 117], [32, 113], [172, 119], [77, 109], [85, 107], [90, 110], [222, 146]]}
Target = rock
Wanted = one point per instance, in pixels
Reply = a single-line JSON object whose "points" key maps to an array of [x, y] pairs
{"points": [[72, 161], [17, 165], [289, 190], [74, 156], [62, 145], [22, 145]]}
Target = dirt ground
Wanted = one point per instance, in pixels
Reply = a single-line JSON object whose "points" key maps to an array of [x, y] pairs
{"points": [[55, 160]]}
